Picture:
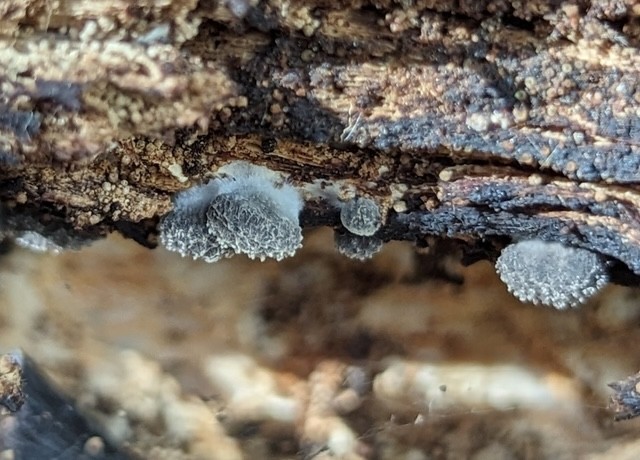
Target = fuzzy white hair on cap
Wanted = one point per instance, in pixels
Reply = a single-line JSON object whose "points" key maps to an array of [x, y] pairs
{"points": [[184, 229], [246, 179], [256, 213]]}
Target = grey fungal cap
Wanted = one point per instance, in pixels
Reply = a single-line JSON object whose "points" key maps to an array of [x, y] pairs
{"points": [[248, 210], [184, 231], [356, 246], [551, 273], [361, 216], [253, 224]]}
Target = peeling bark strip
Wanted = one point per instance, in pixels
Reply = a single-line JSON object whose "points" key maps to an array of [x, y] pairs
{"points": [[480, 121]]}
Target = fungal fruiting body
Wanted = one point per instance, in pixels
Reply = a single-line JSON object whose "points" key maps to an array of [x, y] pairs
{"points": [[551, 273], [356, 246], [184, 230], [256, 213], [252, 224], [247, 210], [361, 216]]}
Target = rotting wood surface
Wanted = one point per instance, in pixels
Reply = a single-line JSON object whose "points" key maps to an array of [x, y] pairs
{"points": [[479, 121]]}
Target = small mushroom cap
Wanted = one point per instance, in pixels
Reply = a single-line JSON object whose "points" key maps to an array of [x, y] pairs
{"points": [[247, 210], [361, 216], [184, 231], [253, 224], [551, 273]]}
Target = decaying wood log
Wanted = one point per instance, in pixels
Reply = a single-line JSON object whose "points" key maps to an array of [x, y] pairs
{"points": [[482, 121]]}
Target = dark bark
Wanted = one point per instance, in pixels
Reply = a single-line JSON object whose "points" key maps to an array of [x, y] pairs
{"points": [[477, 121]]}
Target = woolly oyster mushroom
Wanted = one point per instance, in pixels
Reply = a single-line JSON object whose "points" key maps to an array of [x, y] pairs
{"points": [[551, 273], [248, 210]]}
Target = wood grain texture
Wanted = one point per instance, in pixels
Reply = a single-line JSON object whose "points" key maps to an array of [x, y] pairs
{"points": [[477, 121]]}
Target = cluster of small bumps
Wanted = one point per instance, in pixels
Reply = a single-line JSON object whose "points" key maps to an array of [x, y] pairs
{"points": [[551, 273], [244, 212]]}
